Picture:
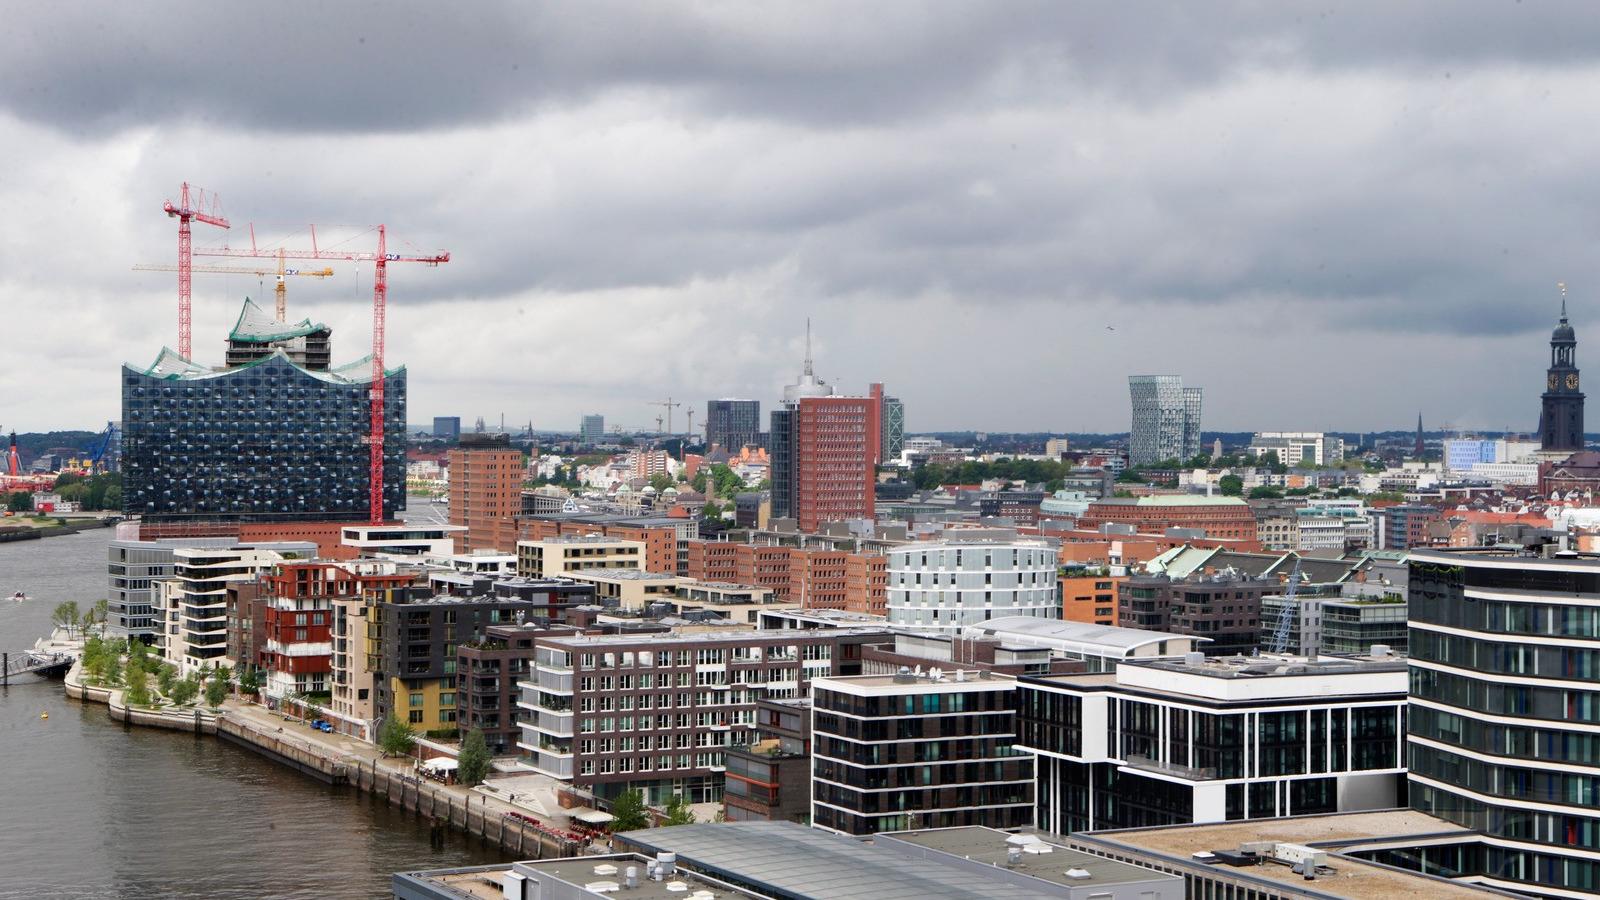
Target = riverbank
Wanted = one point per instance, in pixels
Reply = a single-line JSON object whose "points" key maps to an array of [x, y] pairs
{"points": [[337, 761], [33, 532]]}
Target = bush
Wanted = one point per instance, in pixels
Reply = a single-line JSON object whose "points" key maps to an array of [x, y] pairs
{"points": [[442, 734], [183, 691]]}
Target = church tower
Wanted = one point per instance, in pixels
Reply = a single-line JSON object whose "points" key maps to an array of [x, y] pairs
{"points": [[1561, 417]]}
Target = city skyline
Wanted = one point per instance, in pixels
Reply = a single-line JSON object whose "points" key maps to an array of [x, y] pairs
{"points": [[995, 175]]}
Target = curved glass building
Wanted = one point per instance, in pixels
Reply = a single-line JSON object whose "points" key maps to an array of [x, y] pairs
{"points": [[276, 436]]}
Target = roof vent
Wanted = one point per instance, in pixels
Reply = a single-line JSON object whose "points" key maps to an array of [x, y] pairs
{"points": [[1077, 874], [904, 676], [1194, 658], [1379, 651]]}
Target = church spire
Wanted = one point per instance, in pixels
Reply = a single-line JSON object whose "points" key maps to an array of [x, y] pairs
{"points": [[1560, 285]]}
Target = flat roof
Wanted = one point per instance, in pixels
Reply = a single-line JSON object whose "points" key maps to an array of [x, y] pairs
{"points": [[743, 634], [621, 575], [988, 845], [581, 539], [486, 883], [1353, 878], [792, 860], [1086, 634], [970, 680], [1270, 665], [1171, 500]]}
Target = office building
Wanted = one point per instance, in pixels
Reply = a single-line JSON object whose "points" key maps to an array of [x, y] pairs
{"points": [[908, 751], [1299, 448], [655, 712], [1221, 518], [1166, 419], [824, 449], [447, 428], [1021, 507], [666, 540], [592, 429], [814, 577], [1100, 648], [945, 585], [733, 424], [1461, 454], [1226, 608], [1503, 715], [1200, 739], [1561, 410], [275, 436], [486, 477], [893, 444], [1406, 525]]}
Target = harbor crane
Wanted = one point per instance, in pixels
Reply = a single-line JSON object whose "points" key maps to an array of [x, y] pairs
{"points": [[278, 289]]}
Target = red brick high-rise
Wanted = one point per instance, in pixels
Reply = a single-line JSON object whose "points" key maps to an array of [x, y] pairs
{"points": [[486, 477]]}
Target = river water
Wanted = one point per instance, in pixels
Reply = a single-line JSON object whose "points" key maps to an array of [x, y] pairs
{"points": [[90, 809]]}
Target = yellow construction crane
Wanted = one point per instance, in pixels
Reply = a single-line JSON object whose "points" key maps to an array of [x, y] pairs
{"points": [[280, 272]]}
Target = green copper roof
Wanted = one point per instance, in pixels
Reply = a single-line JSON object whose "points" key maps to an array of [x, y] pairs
{"points": [[257, 326], [170, 365]]}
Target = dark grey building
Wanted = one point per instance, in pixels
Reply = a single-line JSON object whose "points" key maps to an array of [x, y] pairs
{"points": [[781, 463], [273, 439], [447, 427], [893, 440], [733, 424], [1225, 609]]}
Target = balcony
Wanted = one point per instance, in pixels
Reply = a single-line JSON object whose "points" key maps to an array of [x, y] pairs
{"points": [[554, 681], [553, 723], [1188, 773]]}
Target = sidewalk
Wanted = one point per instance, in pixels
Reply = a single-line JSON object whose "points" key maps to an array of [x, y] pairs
{"points": [[343, 747]]}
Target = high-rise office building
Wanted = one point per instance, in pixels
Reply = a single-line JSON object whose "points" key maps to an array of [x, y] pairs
{"points": [[447, 427], [592, 430], [825, 449], [1166, 419], [1561, 415], [275, 436], [486, 477], [733, 424], [894, 428], [1504, 715]]}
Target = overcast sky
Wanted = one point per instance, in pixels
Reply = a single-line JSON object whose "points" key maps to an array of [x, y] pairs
{"points": [[1327, 216]]}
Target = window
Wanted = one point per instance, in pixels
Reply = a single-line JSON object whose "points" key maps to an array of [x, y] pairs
{"points": [[416, 717], [416, 700]]}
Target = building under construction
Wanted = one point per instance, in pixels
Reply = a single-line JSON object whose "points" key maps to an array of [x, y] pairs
{"points": [[275, 435]]}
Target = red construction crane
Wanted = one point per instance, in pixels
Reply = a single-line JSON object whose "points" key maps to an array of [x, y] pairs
{"points": [[380, 289], [204, 209]]}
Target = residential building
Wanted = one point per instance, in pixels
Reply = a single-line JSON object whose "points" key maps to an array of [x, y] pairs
{"points": [[628, 589], [136, 568], [1166, 419], [488, 672], [592, 430], [1021, 507], [1089, 596], [665, 539], [1504, 709], [486, 476], [733, 424], [413, 641], [945, 585], [769, 780], [1202, 739], [192, 605], [447, 427], [275, 436], [1299, 448], [402, 541], [815, 577], [555, 557], [1224, 518], [908, 751], [610, 713], [1561, 412], [1353, 625], [1226, 609]]}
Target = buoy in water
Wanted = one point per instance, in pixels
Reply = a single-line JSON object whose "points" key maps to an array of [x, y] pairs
{"points": [[44, 715]]}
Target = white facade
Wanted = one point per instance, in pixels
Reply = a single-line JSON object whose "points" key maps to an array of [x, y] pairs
{"points": [[946, 585], [191, 607], [401, 540], [1506, 473], [1296, 448]]}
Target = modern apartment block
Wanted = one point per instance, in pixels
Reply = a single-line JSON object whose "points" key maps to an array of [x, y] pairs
{"points": [[814, 577], [192, 605], [610, 713], [1224, 609], [559, 556], [1406, 526], [945, 585], [1199, 739], [909, 751], [488, 672], [275, 436], [1166, 419], [770, 779], [1505, 653], [486, 477], [733, 424], [1089, 596], [135, 569], [666, 540]]}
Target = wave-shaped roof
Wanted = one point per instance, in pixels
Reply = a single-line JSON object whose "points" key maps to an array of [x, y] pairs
{"points": [[257, 326], [170, 365]]}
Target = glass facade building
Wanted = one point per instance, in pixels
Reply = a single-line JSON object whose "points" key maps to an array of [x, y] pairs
{"points": [[1504, 733], [1166, 419], [272, 440], [733, 424]]}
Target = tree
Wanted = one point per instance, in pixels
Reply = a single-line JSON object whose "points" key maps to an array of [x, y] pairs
{"points": [[1230, 485], [216, 691], [21, 501], [475, 760], [678, 811], [67, 616], [395, 737], [661, 481], [165, 676], [138, 693], [711, 511], [628, 812], [101, 611], [183, 691], [1265, 492]]}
